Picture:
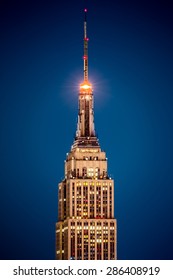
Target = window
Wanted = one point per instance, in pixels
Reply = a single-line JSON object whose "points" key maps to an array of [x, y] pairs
{"points": [[90, 172], [84, 172], [97, 172], [77, 173]]}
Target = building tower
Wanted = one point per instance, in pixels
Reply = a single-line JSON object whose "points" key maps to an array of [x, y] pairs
{"points": [[86, 228]]}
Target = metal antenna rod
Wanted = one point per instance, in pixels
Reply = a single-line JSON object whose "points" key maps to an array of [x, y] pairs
{"points": [[85, 57]]}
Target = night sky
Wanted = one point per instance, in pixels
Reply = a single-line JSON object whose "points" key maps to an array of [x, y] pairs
{"points": [[131, 69]]}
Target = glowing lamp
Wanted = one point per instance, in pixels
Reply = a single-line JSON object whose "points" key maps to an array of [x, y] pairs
{"points": [[85, 10], [86, 87]]}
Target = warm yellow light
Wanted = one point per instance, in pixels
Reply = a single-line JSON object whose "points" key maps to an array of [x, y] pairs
{"points": [[85, 86]]}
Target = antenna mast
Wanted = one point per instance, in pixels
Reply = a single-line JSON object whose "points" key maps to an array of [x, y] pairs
{"points": [[85, 57]]}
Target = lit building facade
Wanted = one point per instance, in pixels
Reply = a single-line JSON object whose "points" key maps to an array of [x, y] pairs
{"points": [[86, 228]]}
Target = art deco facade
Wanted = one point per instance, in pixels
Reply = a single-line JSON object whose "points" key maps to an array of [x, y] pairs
{"points": [[86, 228]]}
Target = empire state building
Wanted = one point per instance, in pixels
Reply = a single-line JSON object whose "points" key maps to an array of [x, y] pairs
{"points": [[86, 228]]}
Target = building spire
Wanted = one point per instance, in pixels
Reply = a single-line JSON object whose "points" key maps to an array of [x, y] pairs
{"points": [[85, 57], [85, 126]]}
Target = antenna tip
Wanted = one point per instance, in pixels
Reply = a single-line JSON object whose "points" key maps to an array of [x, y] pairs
{"points": [[85, 10]]}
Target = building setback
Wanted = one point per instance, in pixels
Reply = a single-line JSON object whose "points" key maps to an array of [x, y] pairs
{"points": [[86, 228]]}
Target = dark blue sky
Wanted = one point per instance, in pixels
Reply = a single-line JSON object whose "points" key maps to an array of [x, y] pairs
{"points": [[131, 68]]}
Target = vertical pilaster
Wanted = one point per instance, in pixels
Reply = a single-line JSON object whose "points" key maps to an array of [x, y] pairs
{"points": [[102, 244], [95, 202], [75, 199], [108, 207]]}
